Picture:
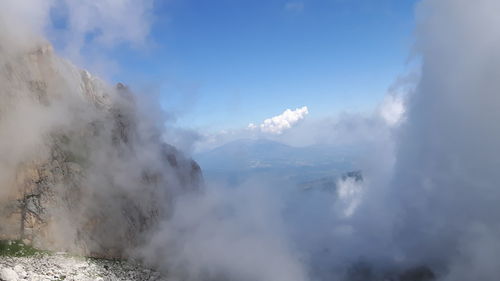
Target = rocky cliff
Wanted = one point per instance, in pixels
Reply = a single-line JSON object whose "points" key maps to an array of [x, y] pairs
{"points": [[83, 167]]}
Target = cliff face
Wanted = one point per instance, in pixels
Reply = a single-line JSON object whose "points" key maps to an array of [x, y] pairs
{"points": [[82, 167]]}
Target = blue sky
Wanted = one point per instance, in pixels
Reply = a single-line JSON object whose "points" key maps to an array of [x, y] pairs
{"points": [[222, 64]]}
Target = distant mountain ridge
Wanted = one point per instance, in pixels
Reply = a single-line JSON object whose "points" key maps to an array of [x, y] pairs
{"points": [[247, 157]]}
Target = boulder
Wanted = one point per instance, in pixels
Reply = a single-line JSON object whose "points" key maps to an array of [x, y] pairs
{"points": [[7, 274]]}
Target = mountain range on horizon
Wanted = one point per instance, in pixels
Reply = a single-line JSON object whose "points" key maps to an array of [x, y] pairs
{"points": [[244, 159]]}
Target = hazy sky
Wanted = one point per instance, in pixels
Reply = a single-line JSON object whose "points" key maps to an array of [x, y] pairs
{"points": [[223, 64]]}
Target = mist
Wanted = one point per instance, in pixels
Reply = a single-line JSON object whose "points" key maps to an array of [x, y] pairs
{"points": [[426, 207]]}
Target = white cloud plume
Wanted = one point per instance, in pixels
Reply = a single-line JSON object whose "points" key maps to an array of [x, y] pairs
{"points": [[282, 122]]}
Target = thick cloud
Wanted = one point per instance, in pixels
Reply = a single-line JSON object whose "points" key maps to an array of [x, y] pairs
{"points": [[446, 171], [282, 122]]}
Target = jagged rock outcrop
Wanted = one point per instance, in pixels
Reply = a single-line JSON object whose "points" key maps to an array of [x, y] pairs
{"points": [[82, 168]]}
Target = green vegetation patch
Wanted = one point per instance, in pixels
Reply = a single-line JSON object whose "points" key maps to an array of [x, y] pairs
{"points": [[15, 248]]}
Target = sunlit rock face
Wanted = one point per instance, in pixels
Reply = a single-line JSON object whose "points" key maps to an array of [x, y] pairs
{"points": [[83, 167]]}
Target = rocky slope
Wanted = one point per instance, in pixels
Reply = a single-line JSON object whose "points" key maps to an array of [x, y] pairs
{"points": [[64, 267], [83, 167]]}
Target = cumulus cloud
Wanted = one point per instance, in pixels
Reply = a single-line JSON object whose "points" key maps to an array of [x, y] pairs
{"points": [[282, 122]]}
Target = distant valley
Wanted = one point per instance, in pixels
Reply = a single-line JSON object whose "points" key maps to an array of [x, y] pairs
{"points": [[246, 159]]}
